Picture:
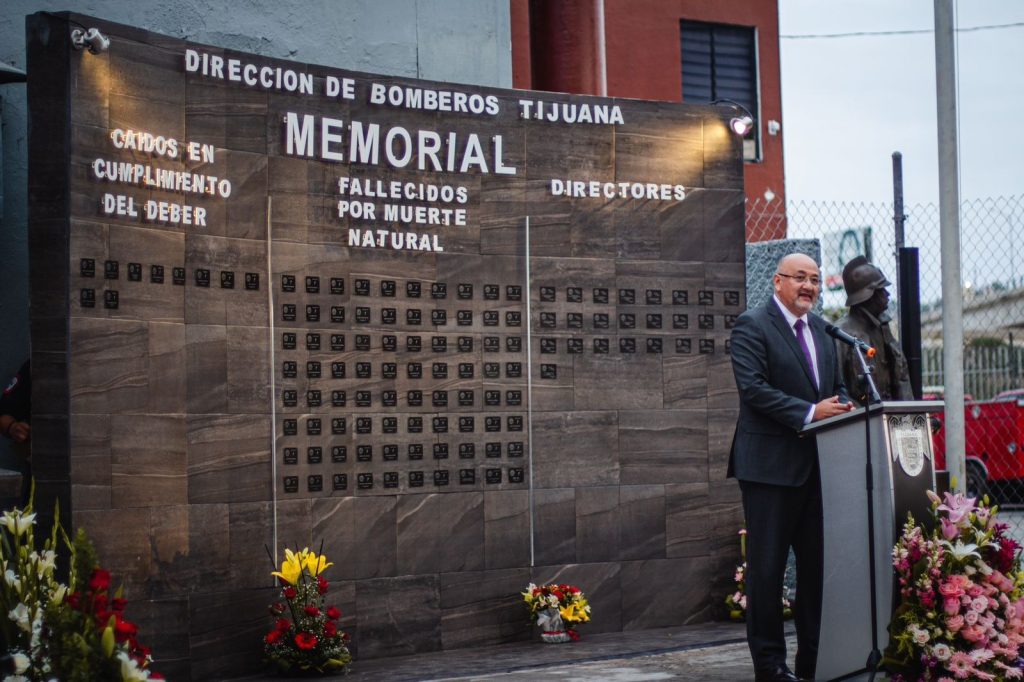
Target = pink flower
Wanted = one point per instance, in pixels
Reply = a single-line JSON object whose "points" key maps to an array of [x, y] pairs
{"points": [[973, 633], [958, 506], [960, 664], [971, 617], [951, 588], [975, 590], [1008, 672], [954, 623], [951, 605], [979, 604], [949, 529]]}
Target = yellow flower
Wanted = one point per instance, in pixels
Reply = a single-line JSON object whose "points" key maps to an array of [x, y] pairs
{"points": [[291, 567], [575, 613], [317, 564], [295, 562]]}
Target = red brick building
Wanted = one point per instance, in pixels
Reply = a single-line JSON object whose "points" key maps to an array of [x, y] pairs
{"points": [[675, 50]]}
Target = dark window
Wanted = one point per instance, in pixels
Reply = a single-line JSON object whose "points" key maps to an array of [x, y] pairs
{"points": [[720, 62]]}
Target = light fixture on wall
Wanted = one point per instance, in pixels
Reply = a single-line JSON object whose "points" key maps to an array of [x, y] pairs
{"points": [[743, 122], [91, 38]]}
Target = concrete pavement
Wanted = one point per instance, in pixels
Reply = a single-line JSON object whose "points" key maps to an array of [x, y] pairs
{"points": [[710, 652]]}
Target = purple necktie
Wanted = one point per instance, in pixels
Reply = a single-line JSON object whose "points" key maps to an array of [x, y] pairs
{"points": [[799, 326]]}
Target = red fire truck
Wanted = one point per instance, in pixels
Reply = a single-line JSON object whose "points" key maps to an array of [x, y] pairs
{"points": [[994, 439]]}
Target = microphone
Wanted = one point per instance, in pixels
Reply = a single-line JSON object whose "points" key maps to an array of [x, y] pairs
{"points": [[837, 333]]}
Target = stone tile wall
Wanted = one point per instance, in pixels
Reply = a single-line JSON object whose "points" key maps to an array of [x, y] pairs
{"points": [[211, 391]]}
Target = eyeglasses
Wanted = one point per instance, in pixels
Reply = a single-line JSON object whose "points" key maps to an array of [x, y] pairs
{"points": [[802, 279]]}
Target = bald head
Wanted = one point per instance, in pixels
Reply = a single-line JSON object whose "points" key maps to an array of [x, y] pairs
{"points": [[797, 283], [796, 261]]}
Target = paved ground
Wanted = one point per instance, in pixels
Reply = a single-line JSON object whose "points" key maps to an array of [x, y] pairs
{"points": [[721, 663], [710, 652]]}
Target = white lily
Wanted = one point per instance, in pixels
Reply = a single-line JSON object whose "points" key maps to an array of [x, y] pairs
{"points": [[130, 671], [21, 662], [20, 615], [12, 579], [961, 551], [58, 593], [47, 562], [17, 521]]}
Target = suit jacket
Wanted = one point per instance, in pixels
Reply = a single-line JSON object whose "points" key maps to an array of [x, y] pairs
{"points": [[777, 390]]}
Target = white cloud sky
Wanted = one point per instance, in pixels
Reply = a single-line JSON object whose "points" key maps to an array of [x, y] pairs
{"points": [[848, 103]]}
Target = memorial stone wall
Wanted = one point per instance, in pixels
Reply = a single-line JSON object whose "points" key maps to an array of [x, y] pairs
{"points": [[461, 338]]}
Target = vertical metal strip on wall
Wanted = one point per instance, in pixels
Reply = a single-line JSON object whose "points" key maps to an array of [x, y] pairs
{"points": [[529, 394], [273, 389]]}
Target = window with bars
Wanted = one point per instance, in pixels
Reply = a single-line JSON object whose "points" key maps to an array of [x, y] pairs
{"points": [[719, 62]]}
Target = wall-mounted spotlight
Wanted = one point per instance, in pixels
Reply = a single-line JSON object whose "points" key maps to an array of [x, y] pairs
{"points": [[92, 39], [743, 122]]}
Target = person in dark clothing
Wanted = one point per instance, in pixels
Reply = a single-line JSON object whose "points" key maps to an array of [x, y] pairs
{"points": [[787, 375], [16, 406], [868, 299], [15, 422]]}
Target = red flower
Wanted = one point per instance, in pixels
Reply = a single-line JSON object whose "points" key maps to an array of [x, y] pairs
{"points": [[321, 584], [156, 676], [118, 604], [573, 635], [312, 611], [305, 640], [100, 580], [73, 600], [273, 636], [283, 624], [330, 629], [123, 630], [290, 593], [333, 613], [277, 608]]}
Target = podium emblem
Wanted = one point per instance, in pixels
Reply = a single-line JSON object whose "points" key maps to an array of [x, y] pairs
{"points": [[907, 433]]}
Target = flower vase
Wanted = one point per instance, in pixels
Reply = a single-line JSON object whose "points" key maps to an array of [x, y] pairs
{"points": [[552, 630]]}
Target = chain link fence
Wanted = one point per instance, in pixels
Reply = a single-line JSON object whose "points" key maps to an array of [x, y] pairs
{"points": [[992, 234]]}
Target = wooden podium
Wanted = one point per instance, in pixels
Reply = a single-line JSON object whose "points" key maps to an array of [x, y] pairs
{"points": [[892, 440]]}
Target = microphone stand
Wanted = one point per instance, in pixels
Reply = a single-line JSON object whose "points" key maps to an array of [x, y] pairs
{"points": [[875, 657]]}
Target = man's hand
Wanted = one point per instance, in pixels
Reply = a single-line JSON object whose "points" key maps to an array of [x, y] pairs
{"points": [[19, 432], [830, 407]]}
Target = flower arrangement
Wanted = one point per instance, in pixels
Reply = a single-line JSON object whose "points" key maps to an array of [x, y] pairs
{"points": [[75, 632], [961, 614], [736, 602], [557, 610], [305, 638]]}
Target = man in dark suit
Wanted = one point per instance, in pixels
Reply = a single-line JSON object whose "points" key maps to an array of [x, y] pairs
{"points": [[788, 376]]}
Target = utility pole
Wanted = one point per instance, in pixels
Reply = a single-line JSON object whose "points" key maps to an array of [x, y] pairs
{"points": [[949, 222]]}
